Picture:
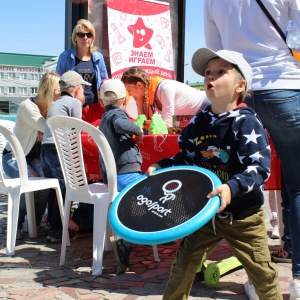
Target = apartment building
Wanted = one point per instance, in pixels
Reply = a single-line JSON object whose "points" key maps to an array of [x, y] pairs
{"points": [[20, 75]]}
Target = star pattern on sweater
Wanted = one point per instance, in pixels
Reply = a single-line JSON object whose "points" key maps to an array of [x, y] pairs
{"points": [[213, 120], [252, 168], [235, 114], [241, 158], [252, 137], [191, 154], [250, 188], [240, 117], [238, 134], [256, 156]]}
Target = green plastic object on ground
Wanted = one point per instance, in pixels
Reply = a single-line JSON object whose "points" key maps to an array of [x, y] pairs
{"points": [[158, 125], [211, 273], [140, 120]]}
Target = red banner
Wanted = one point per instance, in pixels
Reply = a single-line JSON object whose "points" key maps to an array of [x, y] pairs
{"points": [[140, 35]]}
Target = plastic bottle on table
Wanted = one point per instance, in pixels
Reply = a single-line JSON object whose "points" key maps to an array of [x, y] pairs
{"points": [[293, 39]]}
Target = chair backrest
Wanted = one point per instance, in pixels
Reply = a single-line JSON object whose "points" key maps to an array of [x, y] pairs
{"points": [[9, 125], [18, 153], [66, 132]]}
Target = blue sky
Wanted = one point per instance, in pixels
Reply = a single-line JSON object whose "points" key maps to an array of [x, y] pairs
{"points": [[38, 27]]}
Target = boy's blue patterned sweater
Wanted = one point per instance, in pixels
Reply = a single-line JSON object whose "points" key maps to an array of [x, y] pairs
{"points": [[233, 145]]}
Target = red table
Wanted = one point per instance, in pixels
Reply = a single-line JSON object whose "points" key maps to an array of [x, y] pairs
{"points": [[156, 147], [153, 148]]}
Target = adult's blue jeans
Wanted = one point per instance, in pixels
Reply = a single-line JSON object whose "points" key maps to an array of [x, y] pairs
{"points": [[10, 168], [279, 111], [52, 169]]}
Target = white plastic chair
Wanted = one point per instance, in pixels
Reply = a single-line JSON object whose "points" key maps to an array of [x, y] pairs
{"points": [[9, 125], [13, 188], [66, 132]]}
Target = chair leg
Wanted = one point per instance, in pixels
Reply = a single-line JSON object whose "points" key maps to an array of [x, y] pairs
{"points": [[60, 203], [99, 230], [12, 221], [29, 198], [65, 235], [155, 253], [108, 232], [61, 209]]}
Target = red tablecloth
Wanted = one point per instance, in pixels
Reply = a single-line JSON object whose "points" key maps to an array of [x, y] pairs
{"points": [[153, 148], [156, 147]]}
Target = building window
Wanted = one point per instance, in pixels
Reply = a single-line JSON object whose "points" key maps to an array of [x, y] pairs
{"points": [[22, 76], [1, 75], [11, 90], [22, 90], [11, 75], [33, 76], [1, 89], [33, 90]]}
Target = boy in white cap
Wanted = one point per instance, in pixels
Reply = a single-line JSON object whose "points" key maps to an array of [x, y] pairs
{"points": [[68, 104], [241, 159], [119, 130]]}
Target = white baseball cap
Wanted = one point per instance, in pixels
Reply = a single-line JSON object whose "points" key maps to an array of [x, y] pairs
{"points": [[203, 55], [71, 78], [113, 85]]}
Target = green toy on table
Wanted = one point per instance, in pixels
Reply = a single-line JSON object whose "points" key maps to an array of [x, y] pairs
{"points": [[154, 126], [158, 125]]}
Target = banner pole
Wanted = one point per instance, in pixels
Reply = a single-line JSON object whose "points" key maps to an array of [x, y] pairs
{"points": [[181, 8]]}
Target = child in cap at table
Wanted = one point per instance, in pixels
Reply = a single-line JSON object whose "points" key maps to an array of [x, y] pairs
{"points": [[119, 130], [241, 159]]}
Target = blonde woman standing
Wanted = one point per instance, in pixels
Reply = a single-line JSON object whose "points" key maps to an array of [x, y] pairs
{"points": [[84, 59], [29, 128]]}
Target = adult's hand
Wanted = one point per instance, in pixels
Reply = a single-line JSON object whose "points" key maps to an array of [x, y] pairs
{"points": [[40, 136]]}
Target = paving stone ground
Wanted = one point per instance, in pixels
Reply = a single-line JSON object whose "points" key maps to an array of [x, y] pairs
{"points": [[33, 272]]}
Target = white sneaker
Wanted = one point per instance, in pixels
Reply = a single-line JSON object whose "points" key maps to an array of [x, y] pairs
{"points": [[274, 220], [275, 232], [250, 291], [294, 290]]}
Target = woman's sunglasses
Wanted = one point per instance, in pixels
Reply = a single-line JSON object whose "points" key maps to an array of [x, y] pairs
{"points": [[83, 34]]}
